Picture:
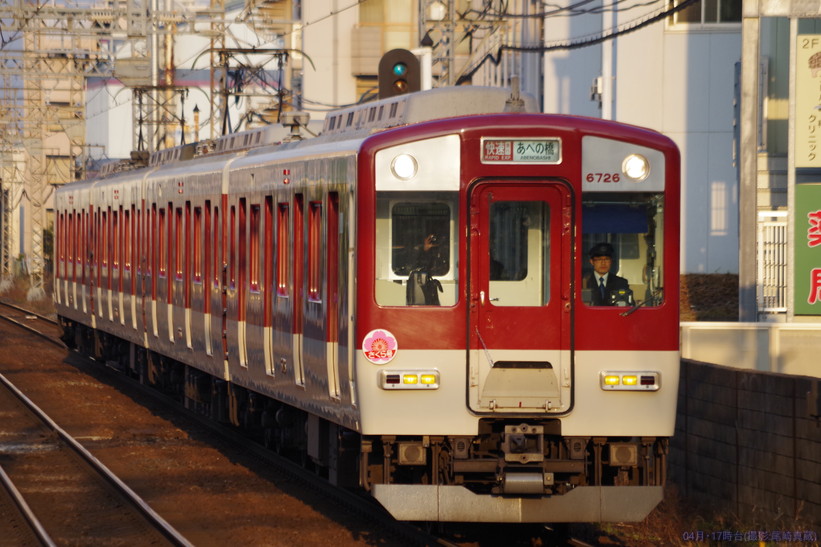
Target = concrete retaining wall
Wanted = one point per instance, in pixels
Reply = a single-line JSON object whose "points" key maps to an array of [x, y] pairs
{"points": [[749, 441], [789, 348]]}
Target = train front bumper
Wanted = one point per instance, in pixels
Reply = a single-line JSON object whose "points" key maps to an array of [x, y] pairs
{"points": [[458, 504]]}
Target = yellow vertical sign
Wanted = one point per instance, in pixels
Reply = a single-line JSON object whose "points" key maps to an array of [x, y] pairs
{"points": [[808, 101]]}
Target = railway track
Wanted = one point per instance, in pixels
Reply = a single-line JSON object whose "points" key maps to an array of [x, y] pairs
{"points": [[40, 325], [402, 533], [48, 330], [50, 476]]}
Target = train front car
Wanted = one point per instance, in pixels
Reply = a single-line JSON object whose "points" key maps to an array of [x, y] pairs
{"points": [[497, 381]]}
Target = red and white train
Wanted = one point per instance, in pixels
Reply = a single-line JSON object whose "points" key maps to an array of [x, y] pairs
{"points": [[402, 300]]}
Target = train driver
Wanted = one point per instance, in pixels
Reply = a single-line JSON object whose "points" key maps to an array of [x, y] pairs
{"points": [[606, 288]]}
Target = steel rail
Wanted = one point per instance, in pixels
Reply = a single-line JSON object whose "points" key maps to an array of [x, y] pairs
{"points": [[154, 518], [29, 516], [48, 338]]}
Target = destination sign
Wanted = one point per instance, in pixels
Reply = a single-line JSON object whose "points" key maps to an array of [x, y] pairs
{"points": [[521, 150]]}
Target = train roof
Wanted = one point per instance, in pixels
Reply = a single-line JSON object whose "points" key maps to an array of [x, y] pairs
{"points": [[355, 122], [445, 102]]}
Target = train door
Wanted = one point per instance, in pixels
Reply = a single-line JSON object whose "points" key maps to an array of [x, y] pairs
{"points": [[519, 318]]}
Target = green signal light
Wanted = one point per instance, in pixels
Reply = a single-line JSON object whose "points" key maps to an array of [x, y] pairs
{"points": [[400, 69]]}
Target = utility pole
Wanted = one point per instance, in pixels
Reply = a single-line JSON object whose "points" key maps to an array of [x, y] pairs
{"points": [[47, 52], [437, 27]]}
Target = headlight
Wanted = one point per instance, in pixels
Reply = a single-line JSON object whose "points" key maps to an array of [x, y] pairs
{"points": [[635, 167], [404, 167]]}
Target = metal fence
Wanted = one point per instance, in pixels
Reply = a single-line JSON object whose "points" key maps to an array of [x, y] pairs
{"points": [[772, 262]]}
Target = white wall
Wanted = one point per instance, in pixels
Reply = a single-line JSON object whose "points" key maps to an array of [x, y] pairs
{"points": [[787, 348], [108, 119], [327, 41], [568, 74], [682, 84]]}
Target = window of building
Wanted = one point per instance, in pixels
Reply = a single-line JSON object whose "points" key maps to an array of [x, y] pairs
{"points": [[707, 12]]}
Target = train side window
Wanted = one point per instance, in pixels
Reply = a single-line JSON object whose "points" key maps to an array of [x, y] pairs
{"points": [[177, 253], [64, 244], [128, 238], [70, 245], [267, 258], [185, 269], [283, 246], [104, 238], [206, 259], [122, 238], [151, 246], [132, 245], [74, 244], [61, 247], [71, 271], [242, 256], [315, 251], [253, 255], [115, 240], [232, 256], [622, 236], [197, 245], [218, 248], [161, 243], [169, 260], [415, 259], [78, 246], [116, 233]]}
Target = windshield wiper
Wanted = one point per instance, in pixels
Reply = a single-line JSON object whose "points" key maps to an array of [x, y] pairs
{"points": [[650, 301]]}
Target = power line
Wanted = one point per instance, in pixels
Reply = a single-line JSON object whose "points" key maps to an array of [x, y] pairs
{"points": [[589, 40]]}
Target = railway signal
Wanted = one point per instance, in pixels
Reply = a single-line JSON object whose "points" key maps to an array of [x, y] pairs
{"points": [[398, 73]]}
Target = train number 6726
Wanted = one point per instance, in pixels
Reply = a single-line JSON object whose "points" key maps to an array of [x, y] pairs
{"points": [[603, 177]]}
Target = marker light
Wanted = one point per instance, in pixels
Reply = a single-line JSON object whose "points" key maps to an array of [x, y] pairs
{"points": [[429, 379], [636, 167], [391, 380], [611, 380], [404, 167], [630, 380]]}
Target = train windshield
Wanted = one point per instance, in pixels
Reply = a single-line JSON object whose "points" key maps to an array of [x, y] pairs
{"points": [[623, 244], [415, 255]]}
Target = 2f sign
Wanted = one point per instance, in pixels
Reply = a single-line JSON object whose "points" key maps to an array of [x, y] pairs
{"points": [[810, 42]]}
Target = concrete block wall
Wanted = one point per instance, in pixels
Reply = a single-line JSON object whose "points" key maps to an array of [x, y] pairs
{"points": [[749, 442]]}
